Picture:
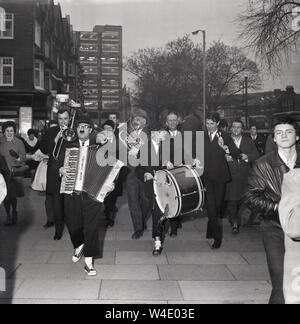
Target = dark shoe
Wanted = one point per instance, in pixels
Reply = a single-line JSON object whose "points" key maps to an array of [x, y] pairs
{"points": [[217, 244], [137, 235], [57, 237], [48, 225], [173, 233], [8, 223], [157, 248], [235, 230], [110, 223], [14, 217]]}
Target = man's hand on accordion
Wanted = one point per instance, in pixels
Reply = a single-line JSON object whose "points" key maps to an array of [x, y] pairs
{"points": [[109, 187], [62, 172]]}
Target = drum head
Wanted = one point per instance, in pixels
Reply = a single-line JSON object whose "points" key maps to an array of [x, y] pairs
{"points": [[166, 194]]}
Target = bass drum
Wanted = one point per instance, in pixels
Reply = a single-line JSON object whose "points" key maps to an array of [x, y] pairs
{"points": [[180, 189]]}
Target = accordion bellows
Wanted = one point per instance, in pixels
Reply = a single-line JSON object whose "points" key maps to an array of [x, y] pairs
{"points": [[83, 174]]}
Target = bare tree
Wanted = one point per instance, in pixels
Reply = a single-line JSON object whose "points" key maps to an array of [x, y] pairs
{"points": [[268, 28], [171, 77]]}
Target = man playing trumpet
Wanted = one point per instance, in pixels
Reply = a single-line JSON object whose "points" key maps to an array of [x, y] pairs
{"points": [[54, 200]]}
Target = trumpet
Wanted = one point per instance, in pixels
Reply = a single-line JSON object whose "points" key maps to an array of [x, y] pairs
{"points": [[130, 137]]}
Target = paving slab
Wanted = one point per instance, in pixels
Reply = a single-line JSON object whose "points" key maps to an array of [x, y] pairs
{"points": [[234, 291], [186, 246], [250, 272], [50, 271], [123, 302], [59, 289], [42, 302], [195, 273], [12, 287], [125, 257], [51, 245], [139, 290], [66, 258], [204, 258], [126, 272], [256, 258]]}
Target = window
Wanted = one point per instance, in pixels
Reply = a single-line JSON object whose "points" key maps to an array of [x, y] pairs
{"points": [[91, 104], [110, 104], [107, 93], [90, 70], [47, 49], [90, 83], [110, 83], [91, 92], [88, 48], [109, 60], [6, 71], [64, 68], [88, 59], [48, 82], [88, 36], [38, 34], [110, 71], [8, 31], [39, 74], [110, 48], [71, 69], [111, 35]]}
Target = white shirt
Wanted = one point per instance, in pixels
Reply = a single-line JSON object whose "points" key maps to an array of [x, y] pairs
{"points": [[237, 142], [254, 137], [156, 146], [213, 135], [173, 133], [86, 143], [291, 162]]}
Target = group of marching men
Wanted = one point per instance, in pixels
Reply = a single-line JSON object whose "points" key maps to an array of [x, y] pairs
{"points": [[233, 173]]}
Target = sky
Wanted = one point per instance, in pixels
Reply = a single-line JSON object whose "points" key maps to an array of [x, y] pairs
{"points": [[148, 23]]}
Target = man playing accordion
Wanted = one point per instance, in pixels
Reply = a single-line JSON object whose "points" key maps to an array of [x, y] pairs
{"points": [[81, 211]]}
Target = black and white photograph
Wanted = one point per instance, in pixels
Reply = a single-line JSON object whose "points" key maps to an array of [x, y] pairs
{"points": [[149, 154]]}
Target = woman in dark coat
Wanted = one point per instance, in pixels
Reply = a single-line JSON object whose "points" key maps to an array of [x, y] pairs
{"points": [[13, 151]]}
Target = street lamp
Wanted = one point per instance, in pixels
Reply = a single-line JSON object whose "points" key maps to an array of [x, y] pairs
{"points": [[196, 32], [246, 100]]}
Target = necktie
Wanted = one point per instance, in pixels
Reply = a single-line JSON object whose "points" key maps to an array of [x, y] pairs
{"points": [[82, 144], [211, 138]]}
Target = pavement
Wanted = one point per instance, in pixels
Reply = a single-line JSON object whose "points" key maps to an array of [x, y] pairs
{"points": [[39, 269]]}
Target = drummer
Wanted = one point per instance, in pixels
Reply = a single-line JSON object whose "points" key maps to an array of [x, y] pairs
{"points": [[146, 174]]}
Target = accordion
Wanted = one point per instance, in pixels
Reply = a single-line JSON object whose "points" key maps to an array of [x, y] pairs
{"points": [[83, 174]]}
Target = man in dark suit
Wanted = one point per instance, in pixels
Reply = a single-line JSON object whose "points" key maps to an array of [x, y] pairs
{"points": [[217, 146], [146, 174], [176, 157], [137, 200], [258, 140], [109, 137], [239, 168], [50, 145]]}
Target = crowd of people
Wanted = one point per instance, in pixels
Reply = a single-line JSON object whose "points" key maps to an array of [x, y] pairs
{"points": [[243, 175]]}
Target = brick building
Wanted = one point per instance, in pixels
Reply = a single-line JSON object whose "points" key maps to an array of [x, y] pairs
{"points": [[38, 58], [100, 53]]}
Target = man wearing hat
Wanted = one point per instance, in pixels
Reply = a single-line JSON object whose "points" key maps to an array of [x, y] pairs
{"points": [[82, 212]]}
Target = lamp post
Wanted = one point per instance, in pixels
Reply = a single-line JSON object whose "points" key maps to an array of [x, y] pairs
{"points": [[246, 100], [204, 72]]}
